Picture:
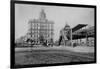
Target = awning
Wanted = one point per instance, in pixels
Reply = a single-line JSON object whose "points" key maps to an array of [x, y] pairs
{"points": [[79, 26]]}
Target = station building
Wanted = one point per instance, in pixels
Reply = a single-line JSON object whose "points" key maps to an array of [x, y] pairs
{"points": [[80, 35]]}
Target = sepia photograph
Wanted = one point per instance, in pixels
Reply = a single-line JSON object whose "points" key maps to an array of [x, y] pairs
{"points": [[51, 34]]}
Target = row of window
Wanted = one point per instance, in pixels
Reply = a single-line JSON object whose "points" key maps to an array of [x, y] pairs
{"points": [[46, 29], [44, 25], [37, 36]]}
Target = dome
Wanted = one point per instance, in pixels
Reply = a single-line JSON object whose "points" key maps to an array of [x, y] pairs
{"points": [[42, 14], [67, 25]]}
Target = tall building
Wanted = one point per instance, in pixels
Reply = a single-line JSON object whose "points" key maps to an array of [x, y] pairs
{"points": [[41, 28]]}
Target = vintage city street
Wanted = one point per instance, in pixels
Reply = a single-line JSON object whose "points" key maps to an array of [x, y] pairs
{"points": [[52, 35]]}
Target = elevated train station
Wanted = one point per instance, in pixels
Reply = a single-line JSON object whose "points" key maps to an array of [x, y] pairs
{"points": [[80, 35]]}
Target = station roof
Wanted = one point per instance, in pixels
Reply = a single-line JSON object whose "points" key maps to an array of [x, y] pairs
{"points": [[79, 26], [83, 33]]}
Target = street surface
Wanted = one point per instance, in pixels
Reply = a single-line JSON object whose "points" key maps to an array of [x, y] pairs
{"points": [[26, 56]]}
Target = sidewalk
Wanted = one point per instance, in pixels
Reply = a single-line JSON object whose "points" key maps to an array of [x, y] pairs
{"points": [[82, 49]]}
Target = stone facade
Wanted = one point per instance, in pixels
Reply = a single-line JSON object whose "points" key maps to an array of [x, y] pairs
{"points": [[41, 28]]}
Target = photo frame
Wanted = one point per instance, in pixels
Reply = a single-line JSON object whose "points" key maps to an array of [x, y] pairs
{"points": [[52, 34]]}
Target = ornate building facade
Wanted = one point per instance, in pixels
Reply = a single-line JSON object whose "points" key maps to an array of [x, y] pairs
{"points": [[41, 29]]}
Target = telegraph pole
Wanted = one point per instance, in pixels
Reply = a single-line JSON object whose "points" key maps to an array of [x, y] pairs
{"points": [[71, 38], [31, 35]]}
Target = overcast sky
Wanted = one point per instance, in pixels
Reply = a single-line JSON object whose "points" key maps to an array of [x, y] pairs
{"points": [[59, 15]]}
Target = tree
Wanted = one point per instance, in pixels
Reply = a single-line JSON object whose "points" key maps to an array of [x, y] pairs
{"points": [[41, 39]]}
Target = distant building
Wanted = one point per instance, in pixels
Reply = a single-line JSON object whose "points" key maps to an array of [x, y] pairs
{"points": [[65, 35], [41, 28]]}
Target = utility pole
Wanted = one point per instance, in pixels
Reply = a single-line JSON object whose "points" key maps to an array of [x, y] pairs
{"points": [[31, 35], [71, 38]]}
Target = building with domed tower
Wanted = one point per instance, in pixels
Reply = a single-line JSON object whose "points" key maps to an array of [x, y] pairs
{"points": [[41, 29]]}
